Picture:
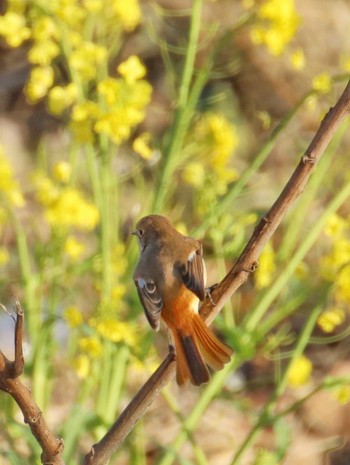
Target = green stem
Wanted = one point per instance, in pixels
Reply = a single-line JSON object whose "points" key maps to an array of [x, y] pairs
{"points": [[267, 415], [106, 236], [184, 110], [192, 420], [226, 202], [30, 281], [253, 319]]}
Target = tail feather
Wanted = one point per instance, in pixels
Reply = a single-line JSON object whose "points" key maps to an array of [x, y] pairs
{"points": [[194, 351], [215, 352], [189, 362]]}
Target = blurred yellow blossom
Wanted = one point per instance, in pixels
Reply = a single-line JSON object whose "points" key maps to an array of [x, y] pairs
{"points": [[342, 394], [73, 317], [45, 28], [46, 191], [70, 12], [265, 272], [9, 187], [194, 174], [86, 60], [118, 292], [335, 226], [300, 371], [341, 288], [40, 80], [298, 59], [132, 69], [114, 330], [91, 345], [4, 256], [119, 259], [70, 208], [13, 28], [278, 24], [330, 319], [141, 146], [62, 171], [322, 83], [73, 248], [82, 366], [93, 6], [61, 97], [345, 63], [43, 53], [124, 109], [128, 13]]}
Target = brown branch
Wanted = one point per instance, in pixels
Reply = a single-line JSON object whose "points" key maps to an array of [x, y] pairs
{"points": [[52, 446], [102, 451]]}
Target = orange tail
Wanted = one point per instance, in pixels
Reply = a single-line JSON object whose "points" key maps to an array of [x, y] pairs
{"points": [[196, 350]]}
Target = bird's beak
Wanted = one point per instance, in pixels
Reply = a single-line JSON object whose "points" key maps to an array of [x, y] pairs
{"points": [[134, 233]]}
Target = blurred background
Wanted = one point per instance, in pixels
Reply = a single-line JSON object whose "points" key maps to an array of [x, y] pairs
{"points": [[198, 111]]}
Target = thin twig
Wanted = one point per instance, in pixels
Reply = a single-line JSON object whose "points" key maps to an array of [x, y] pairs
{"points": [[52, 446], [247, 262]]}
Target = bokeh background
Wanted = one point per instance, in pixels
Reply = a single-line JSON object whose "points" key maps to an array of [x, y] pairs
{"points": [[198, 111]]}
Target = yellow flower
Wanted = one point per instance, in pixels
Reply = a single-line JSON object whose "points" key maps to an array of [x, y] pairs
{"points": [[132, 69], [128, 13], [45, 28], [118, 292], [62, 171], [73, 248], [342, 285], [84, 111], [345, 63], [82, 366], [86, 60], [194, 174], [4, 256], [342, 394], [8, 185], [46, 191], [71, 209], [298, 59], [279, 22], [43, 53], [115, 331], [73, 317], [93, 6], [300, 371], [125, 107], [265, 272], [322, 83], [91, 345], [40, 80], [141, 146], [335, 226], [13, 28], [330, 319]]}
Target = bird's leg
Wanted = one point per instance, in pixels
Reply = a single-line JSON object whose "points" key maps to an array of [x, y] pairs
{"points": [[208, 291], [171, 342]]}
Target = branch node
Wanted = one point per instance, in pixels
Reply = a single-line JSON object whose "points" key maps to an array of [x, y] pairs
{"points": [[307, 159], [33, 419], [252, 267]]}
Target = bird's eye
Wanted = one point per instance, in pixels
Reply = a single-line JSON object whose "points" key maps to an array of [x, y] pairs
{"points": [[140, 231]]}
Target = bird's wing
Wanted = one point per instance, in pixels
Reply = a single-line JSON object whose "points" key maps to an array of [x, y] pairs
{"points": [[151, 300], [193, 273]]}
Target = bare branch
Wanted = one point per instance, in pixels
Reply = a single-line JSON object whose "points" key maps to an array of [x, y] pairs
{"points": [[102, 451], [52, 446]]}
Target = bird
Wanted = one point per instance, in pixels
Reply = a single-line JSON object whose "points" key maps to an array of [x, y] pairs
{"points": [[170, 279]]}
